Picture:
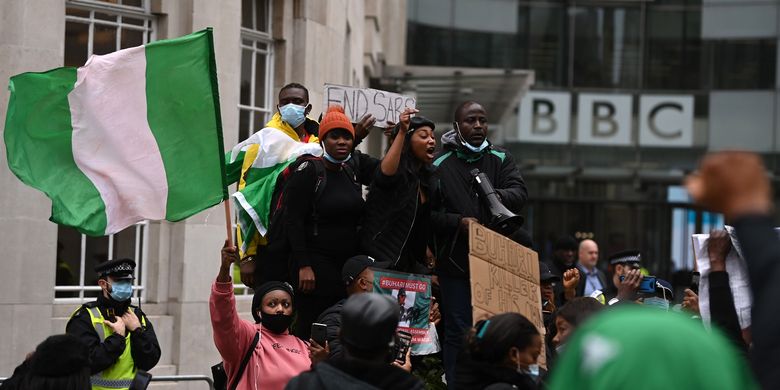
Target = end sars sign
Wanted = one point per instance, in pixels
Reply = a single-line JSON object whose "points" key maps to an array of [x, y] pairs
{"points": [[357, 102]]}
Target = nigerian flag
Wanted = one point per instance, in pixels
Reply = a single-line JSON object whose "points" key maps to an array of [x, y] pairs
{"points": [[131, 135], [265, 154]]}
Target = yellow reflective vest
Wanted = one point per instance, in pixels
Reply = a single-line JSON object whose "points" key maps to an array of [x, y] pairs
{"points": [[121, 374]]}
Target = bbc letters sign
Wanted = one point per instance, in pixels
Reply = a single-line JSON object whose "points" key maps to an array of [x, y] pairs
{"points": [[606, 119]]}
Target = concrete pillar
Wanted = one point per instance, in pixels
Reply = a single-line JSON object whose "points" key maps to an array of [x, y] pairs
{"points": [[29, 240]]}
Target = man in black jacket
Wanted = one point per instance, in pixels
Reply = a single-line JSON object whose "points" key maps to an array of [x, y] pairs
{"points": [[368, 325], [455, 204], [359, 278]]}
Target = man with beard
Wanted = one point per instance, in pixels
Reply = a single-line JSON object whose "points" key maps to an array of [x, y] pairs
{"points": [[120, 338]]}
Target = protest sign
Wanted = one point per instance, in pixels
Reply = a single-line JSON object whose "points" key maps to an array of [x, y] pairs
{"points": [[738, 278], [357, 102], [413, 294], [504, 278]]}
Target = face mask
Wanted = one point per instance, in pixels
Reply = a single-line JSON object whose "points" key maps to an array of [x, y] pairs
{"points": [[657, 302], [532, 371], [330, 158], [293, 114], [476, 149], [276, 323], [121, 290]]}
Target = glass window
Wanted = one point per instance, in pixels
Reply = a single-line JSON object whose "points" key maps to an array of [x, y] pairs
{"points": [[256, 102], [744, 64], [99, 29], [78, 254], [674, 55], [543, 43], [606, 47]]}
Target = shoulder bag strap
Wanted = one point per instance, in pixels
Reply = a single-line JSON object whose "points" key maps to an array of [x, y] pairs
{"points": [[244, 362]]}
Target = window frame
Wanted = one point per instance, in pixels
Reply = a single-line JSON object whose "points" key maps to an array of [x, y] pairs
{"points": [[264, 37], [141, 244]]}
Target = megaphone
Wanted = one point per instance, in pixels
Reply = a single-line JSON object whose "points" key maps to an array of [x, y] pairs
{"points": [[502, 220]]}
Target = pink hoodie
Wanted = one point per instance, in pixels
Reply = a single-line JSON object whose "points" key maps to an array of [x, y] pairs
{"points": [[277, 357]]}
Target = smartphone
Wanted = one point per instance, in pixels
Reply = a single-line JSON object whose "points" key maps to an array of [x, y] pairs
{"points": [[646, 286], [319, 333], [403, 340], [695, 278]]}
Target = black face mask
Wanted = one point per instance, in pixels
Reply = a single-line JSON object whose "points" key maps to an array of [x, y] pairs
{"points": [[276, 323]]}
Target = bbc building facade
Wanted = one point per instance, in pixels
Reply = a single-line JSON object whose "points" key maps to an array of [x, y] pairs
{"points": [[627, 97]]}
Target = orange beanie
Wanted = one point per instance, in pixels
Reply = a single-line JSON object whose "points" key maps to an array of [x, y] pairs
{"points": [[335, 119]]}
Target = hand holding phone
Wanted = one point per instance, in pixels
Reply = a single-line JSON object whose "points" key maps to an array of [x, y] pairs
{"points": [[403, 340], [319, 333]]}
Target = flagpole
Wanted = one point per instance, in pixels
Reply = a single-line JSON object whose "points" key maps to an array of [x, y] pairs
{"points": [[228, 224]]}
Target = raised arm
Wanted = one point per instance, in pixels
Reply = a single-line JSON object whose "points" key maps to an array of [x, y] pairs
{"points": [[389, 165]]}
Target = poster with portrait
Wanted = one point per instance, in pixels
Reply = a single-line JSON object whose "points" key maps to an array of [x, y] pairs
{"points": [[413, 294]]}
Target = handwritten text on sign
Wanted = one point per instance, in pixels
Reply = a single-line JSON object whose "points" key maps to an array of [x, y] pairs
{"points": [[357, 102]]}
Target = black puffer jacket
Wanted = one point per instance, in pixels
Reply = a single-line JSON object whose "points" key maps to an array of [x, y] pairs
{"points": [[391, 213], [454, 197]]}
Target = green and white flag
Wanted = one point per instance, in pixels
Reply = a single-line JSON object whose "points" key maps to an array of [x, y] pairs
{"points": [[270, 151], [131, 135]]}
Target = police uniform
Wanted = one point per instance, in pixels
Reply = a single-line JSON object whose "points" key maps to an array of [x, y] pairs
{"points": [[632, 259], [114, 359]]}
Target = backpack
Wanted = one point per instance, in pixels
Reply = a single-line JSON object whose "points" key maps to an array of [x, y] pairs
{"points": [[274, 257]]}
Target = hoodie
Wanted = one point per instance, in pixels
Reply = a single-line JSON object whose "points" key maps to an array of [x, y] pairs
{"points": [[454, 197], [277, 357]]}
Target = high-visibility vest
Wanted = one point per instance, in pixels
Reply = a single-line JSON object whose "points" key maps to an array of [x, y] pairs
{"points": [[121, 374]]}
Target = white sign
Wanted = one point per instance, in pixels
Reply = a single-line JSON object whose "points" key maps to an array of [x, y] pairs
{"points": [[544, 117], [604, 119], [357, 102], [666, 121], [738, 280]]}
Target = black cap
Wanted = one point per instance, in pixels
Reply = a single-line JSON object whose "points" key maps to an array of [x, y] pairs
{"points": [[369, 321], [414, 123], [566, 242], [354, 266], [545, 275], [117, 269], [59, 355], [625, 257]]}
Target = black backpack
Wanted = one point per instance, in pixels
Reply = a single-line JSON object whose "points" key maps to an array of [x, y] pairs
{"points": [[274, 257]]}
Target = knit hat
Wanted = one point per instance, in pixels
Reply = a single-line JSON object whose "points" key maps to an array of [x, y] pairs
{"points": [[59, 355], [613, 349], [335, 119], [265, 288]]}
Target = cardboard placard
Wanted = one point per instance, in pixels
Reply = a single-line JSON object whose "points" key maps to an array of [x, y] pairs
{"points": [[504, 278], [357, 102]]}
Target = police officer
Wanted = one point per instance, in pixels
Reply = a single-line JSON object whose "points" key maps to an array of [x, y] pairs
{"points": [[120, 338]]}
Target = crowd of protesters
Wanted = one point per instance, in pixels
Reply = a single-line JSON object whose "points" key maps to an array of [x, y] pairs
{"points": [[601, 330]]}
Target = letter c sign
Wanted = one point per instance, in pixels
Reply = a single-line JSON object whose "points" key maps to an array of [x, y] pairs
{"points": [[666, 121]]}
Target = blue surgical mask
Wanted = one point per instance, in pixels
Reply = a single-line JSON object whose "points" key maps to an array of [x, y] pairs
{"points": [[121, 290], [293, 114], [532, 371], [332, 159], [476, 149], [658, 302]]}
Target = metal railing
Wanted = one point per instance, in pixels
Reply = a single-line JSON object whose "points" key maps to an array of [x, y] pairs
{"points": [[172, 378]]}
